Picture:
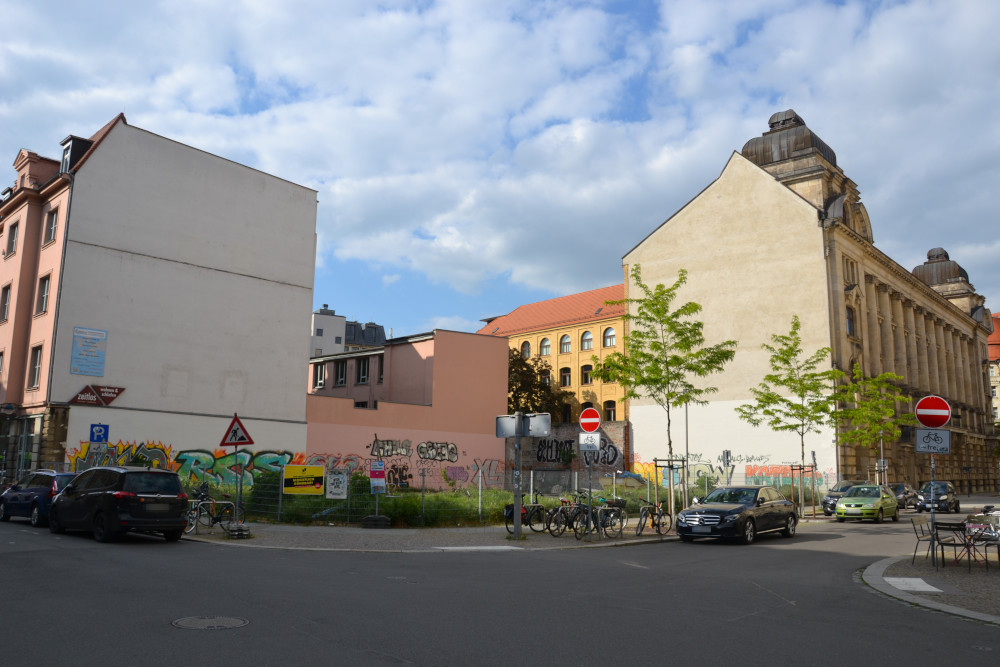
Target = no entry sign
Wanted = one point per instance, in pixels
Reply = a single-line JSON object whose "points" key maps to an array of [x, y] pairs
{"points": [[590, 420], [932, 411]]}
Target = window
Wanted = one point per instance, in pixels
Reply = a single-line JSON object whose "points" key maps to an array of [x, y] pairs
{"points": [[567, 414], [609, 411], [361, 404], [51, 224], [338, 340], [361, 370], [565, 345], [525, 350], [1, 364], [317, 352], [319, 376], [587, 341], [851, 324], [35, 368], [545, 377], [12, 239], [42, 302], [4, 303], [319, 332], [381, 367], [565, 377], [340, 373], [609, 337], [585, 374], [545, 348]]}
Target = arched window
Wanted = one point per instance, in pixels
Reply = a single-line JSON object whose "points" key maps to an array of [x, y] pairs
{"points": [[565, 377], [525, 350], [609, 411], [609, 337], [852, 329], [565, 344], [587, 341], [544, 348], [585, 374]]}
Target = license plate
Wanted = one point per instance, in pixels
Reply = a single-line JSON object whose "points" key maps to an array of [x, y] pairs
{"points": [[701, 529], [853, 511], [157, 507]]}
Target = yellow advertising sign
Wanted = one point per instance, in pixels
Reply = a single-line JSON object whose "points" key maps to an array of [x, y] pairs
{"points": [[303, 480]]}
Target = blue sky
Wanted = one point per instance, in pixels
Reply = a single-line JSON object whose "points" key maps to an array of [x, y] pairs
{"points": [[472, 156]]}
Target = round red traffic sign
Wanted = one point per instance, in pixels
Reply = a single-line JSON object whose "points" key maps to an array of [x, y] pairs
{"points": [[590, 420], [932, 411]]}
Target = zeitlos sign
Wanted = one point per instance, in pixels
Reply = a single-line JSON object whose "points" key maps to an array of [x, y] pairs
{"points": [[97, 394]]}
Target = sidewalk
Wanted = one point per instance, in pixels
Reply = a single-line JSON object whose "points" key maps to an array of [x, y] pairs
{"points": [[951, 589]]}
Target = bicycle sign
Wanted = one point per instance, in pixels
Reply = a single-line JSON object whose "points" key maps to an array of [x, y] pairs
{"points": [[932, 441]]}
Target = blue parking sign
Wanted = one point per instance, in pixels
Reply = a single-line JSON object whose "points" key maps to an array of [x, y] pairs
{"points": [[98, 433]]}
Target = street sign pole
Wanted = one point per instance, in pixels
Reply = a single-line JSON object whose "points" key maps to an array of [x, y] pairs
{"points": [[518, 428]]}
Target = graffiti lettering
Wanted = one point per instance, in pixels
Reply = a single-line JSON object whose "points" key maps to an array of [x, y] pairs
{"points": [[490, 470], [386, 448], [398, 474], [551, 450], [456, 474], [438, 451]]}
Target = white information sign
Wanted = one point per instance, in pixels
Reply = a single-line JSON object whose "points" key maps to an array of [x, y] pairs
{"points": [[933, 441], [590, 442]]}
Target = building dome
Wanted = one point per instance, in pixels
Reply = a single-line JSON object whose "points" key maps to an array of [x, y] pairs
{"points": [[788, 138], [940, 269]]}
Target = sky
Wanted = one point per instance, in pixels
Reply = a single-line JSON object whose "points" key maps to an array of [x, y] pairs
{"points": [[473, 156]]}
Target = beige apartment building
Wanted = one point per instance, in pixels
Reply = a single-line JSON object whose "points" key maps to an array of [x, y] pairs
{"points": [[782, 232], [567, 332]]}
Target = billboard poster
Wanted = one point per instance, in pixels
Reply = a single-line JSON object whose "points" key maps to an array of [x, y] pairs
{"points": [[89, 349]]}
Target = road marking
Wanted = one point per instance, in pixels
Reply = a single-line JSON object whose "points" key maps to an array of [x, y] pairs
{"points": [[912, 584]]}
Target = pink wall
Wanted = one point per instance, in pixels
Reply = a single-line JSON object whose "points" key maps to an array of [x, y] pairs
{"points": [[452, 440]]}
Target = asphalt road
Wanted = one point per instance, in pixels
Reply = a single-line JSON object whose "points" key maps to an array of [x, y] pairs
{"points": [[70, 600]]}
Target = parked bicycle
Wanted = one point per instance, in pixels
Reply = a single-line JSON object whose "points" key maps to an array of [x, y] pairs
{"points": [[562, 517], [532, 515], [653, 516], [206, 511], [608, 519]]}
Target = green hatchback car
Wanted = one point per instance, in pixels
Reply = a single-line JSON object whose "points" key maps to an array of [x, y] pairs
{"points": [[868, 501]]}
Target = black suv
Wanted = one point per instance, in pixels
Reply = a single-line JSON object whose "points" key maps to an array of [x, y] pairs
{"points": [[111, 500], [945, 497], [32, 495]]}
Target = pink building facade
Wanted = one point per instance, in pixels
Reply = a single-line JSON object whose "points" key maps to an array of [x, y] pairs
{"points": [[425, 405]]}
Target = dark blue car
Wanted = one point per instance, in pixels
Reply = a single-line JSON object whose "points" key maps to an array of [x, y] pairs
{"points": [[31, 496]]}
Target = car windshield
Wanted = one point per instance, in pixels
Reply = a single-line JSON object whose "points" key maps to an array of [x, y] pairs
{"points": [[842, 486], [939, 487], [863, 492], [152, 482], [63, 480], [898, 488], [740, 496]]}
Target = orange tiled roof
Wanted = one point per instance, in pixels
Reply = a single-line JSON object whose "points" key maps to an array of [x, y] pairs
{"points": [[561, 311], [98, 137]]}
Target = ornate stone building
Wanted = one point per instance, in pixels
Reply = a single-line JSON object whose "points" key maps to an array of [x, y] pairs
{"points": [[783, 232]]}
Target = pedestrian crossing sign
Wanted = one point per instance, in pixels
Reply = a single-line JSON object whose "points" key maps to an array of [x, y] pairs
{"points": [[236, 434]]}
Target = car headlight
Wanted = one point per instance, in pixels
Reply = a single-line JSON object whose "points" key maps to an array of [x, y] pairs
{"points": [[682, 519], [729, 518], [920, 497], [944, 497], [868, 506], [828, 499]]}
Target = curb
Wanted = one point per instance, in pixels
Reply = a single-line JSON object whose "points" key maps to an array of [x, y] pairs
{"points": [[873, 576]]}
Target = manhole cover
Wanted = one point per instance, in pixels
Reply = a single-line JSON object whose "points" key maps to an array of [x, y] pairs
{"points": [[209, 623]]}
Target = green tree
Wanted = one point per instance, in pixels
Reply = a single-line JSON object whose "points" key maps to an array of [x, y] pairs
{"points": [[529, 386], [664, 350], [867, 412], [795, 396]]}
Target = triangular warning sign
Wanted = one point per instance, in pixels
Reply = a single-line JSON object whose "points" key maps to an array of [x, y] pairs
{"points": [[236, 435]]}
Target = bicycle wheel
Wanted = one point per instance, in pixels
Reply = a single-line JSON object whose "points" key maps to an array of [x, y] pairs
{"points": [[192, 519], [558, 520], [508, 516], [643, 518], [536, 519], [614, 522], [205, 516], [663, 522], [227, 516], [582, 524]]}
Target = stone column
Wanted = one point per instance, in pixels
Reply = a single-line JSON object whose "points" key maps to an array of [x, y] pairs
{"points": [[872, 365], [912, 361], [885, 314], [942, 360], [898, 336], [923, 366], [933, 347]]}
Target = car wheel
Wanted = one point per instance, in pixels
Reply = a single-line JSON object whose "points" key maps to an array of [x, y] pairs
{"points": [[826, 513], [101, 530], [3, 512], [36, 516], [687, 538], [958, 507], [790, 523], [920, 510], [54, 525], [173, 535], [749, 532], [895, 515], [878, 517]]}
